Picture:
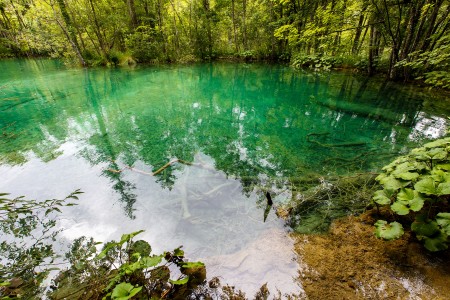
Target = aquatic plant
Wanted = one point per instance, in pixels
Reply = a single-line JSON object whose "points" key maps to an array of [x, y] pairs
{"points": [[125, 269], [27, 230], [317, 201], [416, 188]]}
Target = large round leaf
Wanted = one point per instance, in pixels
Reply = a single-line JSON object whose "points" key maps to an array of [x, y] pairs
{"points": [[426, 186], [411, 199], [438, 153], [382, 197], [443, 220], [425, 227], [391, 183], [443, 188], [406, 175], [124, 291], [400, 208], [436, 243], [438, 143], [387, 231]]}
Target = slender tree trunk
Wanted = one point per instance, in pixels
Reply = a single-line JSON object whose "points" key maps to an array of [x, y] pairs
{"points": [[97, 31], [160, 23], [359, 29], [19, 17], [374, 44], [132, 14], [244, 24], [206, 7], [69, 32], [234, 26], [429, 32]]}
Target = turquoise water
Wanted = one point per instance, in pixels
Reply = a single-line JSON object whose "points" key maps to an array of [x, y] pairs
{"points": [[244, 128]]}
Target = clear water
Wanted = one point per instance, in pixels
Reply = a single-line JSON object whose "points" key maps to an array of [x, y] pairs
{"points": [[243, 127]]}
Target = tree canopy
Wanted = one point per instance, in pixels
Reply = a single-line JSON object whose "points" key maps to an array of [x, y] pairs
{"points": [[404, 39]]}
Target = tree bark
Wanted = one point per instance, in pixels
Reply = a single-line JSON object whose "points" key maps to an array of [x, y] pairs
{"points": [[132, 14], [69, 32]]}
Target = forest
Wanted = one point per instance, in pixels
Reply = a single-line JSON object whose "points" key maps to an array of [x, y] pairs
{"points": [[402, 39], [246, 165]]}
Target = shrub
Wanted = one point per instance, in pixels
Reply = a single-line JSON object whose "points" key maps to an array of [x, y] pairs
{"points": [[416, 187]]}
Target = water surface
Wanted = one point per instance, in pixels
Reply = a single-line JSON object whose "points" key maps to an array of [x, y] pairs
{"points": [[239, 130]]}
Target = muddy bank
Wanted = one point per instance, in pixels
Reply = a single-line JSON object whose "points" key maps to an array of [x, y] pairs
{"points": [[351, 263]]}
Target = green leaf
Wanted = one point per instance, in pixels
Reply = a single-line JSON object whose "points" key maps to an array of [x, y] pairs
{"points": [[124, 291], [436, 243], [400, 208], [420, 154], [127, 237], [178, 252], [444, 167], [381, 177], [180, 282], [424, 226], [438, 153], [387, 231], [426, 186], [443, 189], [153, 261], [438, 143], [390, 183], [383, 197], [141, 247], [197, 264], [411, 198], [406, 175], [440, 175], [443, 220]]}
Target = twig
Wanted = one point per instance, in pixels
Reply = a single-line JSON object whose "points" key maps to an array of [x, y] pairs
{"points": [[153, 173]]}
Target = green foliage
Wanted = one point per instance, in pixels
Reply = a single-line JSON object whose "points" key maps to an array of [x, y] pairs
{"points": [[418, 185], [389, 231], [432, 66], [27, 231], [144, 44], [90, 32], [124, 291], [125, 269], [315, 62]]}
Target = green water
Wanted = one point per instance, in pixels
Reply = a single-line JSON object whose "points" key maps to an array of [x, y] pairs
{"points": [[243, 126]]}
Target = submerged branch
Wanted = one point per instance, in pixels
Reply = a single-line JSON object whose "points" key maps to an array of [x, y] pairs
{"points": [[170, 163]]}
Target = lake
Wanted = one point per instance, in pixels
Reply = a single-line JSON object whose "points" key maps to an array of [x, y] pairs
{"points": [[189, 153]]}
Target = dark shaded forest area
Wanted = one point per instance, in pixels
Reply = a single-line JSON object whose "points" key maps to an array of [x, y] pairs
{"points": [[403, 39]]}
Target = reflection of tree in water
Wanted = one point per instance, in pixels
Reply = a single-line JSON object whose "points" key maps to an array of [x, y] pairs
{"points": [[105, 150], [266, 126]]}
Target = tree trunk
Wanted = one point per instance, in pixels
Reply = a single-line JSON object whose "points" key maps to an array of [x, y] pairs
{"points": [[244, 26], [234, 26], [132, 14], [359, 29], [97, 31], [429, 32], [69, 32], [374, 45]]}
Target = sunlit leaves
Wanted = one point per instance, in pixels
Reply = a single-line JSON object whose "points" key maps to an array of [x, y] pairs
{"points": [[180, 281], [188, 265], [436, 243], [414, 182], [391, 183], [443, 220], [426, 186], [407, 199], [383, 197], [124, 291], [389, 231]]}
